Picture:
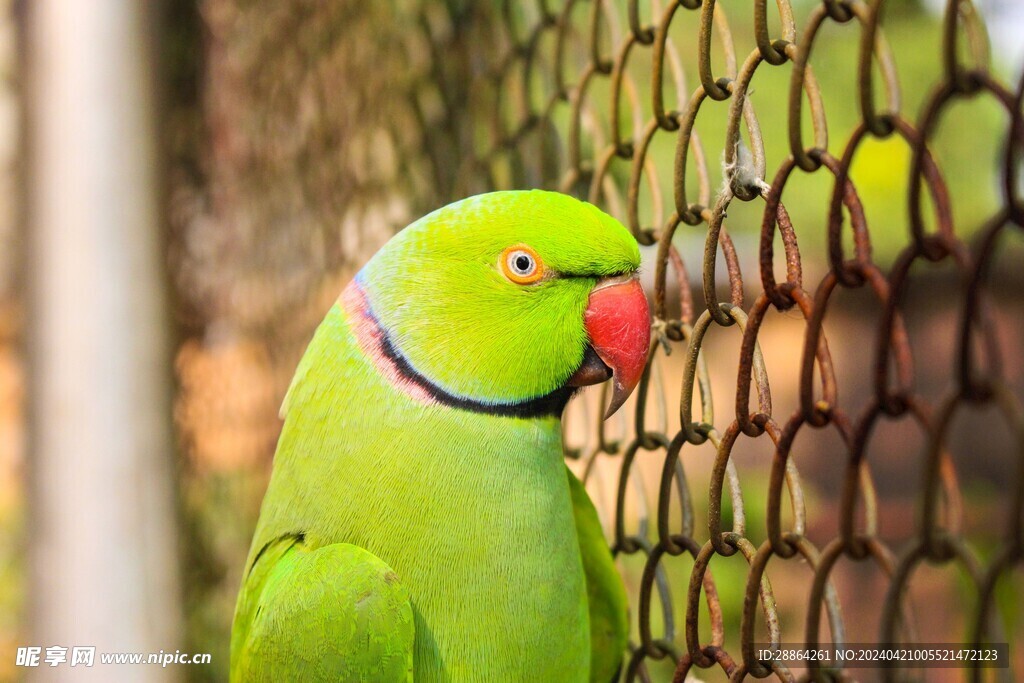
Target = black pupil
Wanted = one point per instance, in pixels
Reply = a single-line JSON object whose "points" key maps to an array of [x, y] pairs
{"points": [[522, 263]]}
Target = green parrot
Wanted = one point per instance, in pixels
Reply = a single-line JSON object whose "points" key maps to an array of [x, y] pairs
{"points": [[420, 522]]}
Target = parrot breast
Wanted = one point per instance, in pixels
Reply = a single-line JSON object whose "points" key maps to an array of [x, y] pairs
{"points": [[469, 508]]}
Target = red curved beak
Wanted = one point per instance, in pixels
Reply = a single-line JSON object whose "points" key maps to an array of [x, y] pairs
{"points": [[619, 324]]}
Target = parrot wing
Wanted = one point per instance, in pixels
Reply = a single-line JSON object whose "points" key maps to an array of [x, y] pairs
{"points": [[606, 594], [334, 613]]}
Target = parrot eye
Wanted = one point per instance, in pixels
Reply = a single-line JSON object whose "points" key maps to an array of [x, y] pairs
{"points": [[522, 265]]}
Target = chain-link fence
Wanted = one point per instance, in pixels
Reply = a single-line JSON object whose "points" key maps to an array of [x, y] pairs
{"points": [[607, 155]]}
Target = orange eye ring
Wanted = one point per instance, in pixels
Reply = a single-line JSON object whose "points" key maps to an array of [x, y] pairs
{"points": [[522, 265]]}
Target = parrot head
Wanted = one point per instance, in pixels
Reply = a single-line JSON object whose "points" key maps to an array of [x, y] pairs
{"points": [[505, 303]]}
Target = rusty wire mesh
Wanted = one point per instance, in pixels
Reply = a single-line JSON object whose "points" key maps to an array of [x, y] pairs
{"points": [[546, 127]]}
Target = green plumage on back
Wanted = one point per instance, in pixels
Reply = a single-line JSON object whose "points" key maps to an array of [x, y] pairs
{"points": [[420, 522], [606, 596]]}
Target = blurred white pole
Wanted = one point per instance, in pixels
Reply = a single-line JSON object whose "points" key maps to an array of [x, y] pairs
{"points": [[102, 529]]}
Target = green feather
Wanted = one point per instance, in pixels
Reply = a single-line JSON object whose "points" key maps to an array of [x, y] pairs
{"points": [[500, 555], [336, 613], [606, 596]]}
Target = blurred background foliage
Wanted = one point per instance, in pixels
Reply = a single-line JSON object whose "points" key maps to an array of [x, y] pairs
{"points": [[300, 134]]}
